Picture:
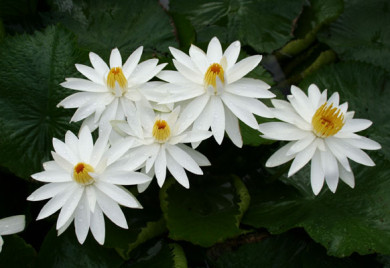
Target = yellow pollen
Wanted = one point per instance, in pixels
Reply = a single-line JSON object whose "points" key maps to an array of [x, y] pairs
{"points": [[327, 121], [210, 78], [80, 174], [161, 130], [116, 75]]}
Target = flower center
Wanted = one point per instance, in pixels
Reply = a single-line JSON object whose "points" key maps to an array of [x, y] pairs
{"points": [[161, 130], [327, 121], [116, 76], [210, 78], [80, 174]]}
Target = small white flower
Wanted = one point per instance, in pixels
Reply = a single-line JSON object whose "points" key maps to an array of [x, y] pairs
{"points": [[11, 225], [219, 93], [322, 131], [161, 146], [112, 92], [84, 181]]}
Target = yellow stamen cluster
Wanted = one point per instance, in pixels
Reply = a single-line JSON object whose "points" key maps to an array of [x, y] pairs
{"points": [[161, 130], [210, 78], [327, 121], [116, 75], [80, 173]]}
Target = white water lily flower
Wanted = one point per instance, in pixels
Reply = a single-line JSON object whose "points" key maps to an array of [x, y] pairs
{"points": [[161, 147], [112, 92], [84, 181], [11, 225], [219, 94], [320, 130]]}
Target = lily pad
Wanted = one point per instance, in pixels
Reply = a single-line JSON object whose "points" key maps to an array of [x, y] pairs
{"points": [[32, 67], [204, 215], [361, 33], [263, 25], [125, 24]]}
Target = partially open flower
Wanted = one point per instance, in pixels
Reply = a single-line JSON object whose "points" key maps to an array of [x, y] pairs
{"points": [[320, 130], [85, 183]]}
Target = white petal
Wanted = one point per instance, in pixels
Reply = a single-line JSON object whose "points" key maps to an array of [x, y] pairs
{"points": [[191, 136], [240, 112], [111, 209], [191, 112], [302, 144], [356, 125], [173, 77], [282, 131], [119, 149], [188, 73], [280, 156], [302, 158], [91, 198], [12, 225], [65, 226], [181, 57], [85, 145], [317, 175], [293, 118], [232, 128], [339, 154], [160, 167], [145, 71], [283, 105], [231, 54], [331, 170], [347, 176], [83, 85], [115, 58], [153, 152], [61, 162], [204, 120], [69, 207], [214, 51], [56, 202], [241, 68], [249, 87], [364, 143], [118, 194], [199, 158], [48, 191], [65, 152], [251, 105], [125, 177], [314, 96], [353, 153], [199, 58], [97, 63], [177, 172], [183, 159], [132, 62], [301, 103], [99, 148], [97, 225], [82, 220], [218, 119], [1, 243], [334, 99], [78, 99], [52, 176], [91, 74], [72, 141]]}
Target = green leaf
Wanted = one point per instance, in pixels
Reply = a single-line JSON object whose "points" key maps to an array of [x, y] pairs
{"points": [[351, 220], [32, 67], [315, 15], [126, 24], [17, 253], [159, 254], [264, 25], [286, 250], [65, 251], [361, 33], [204, 215]]}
